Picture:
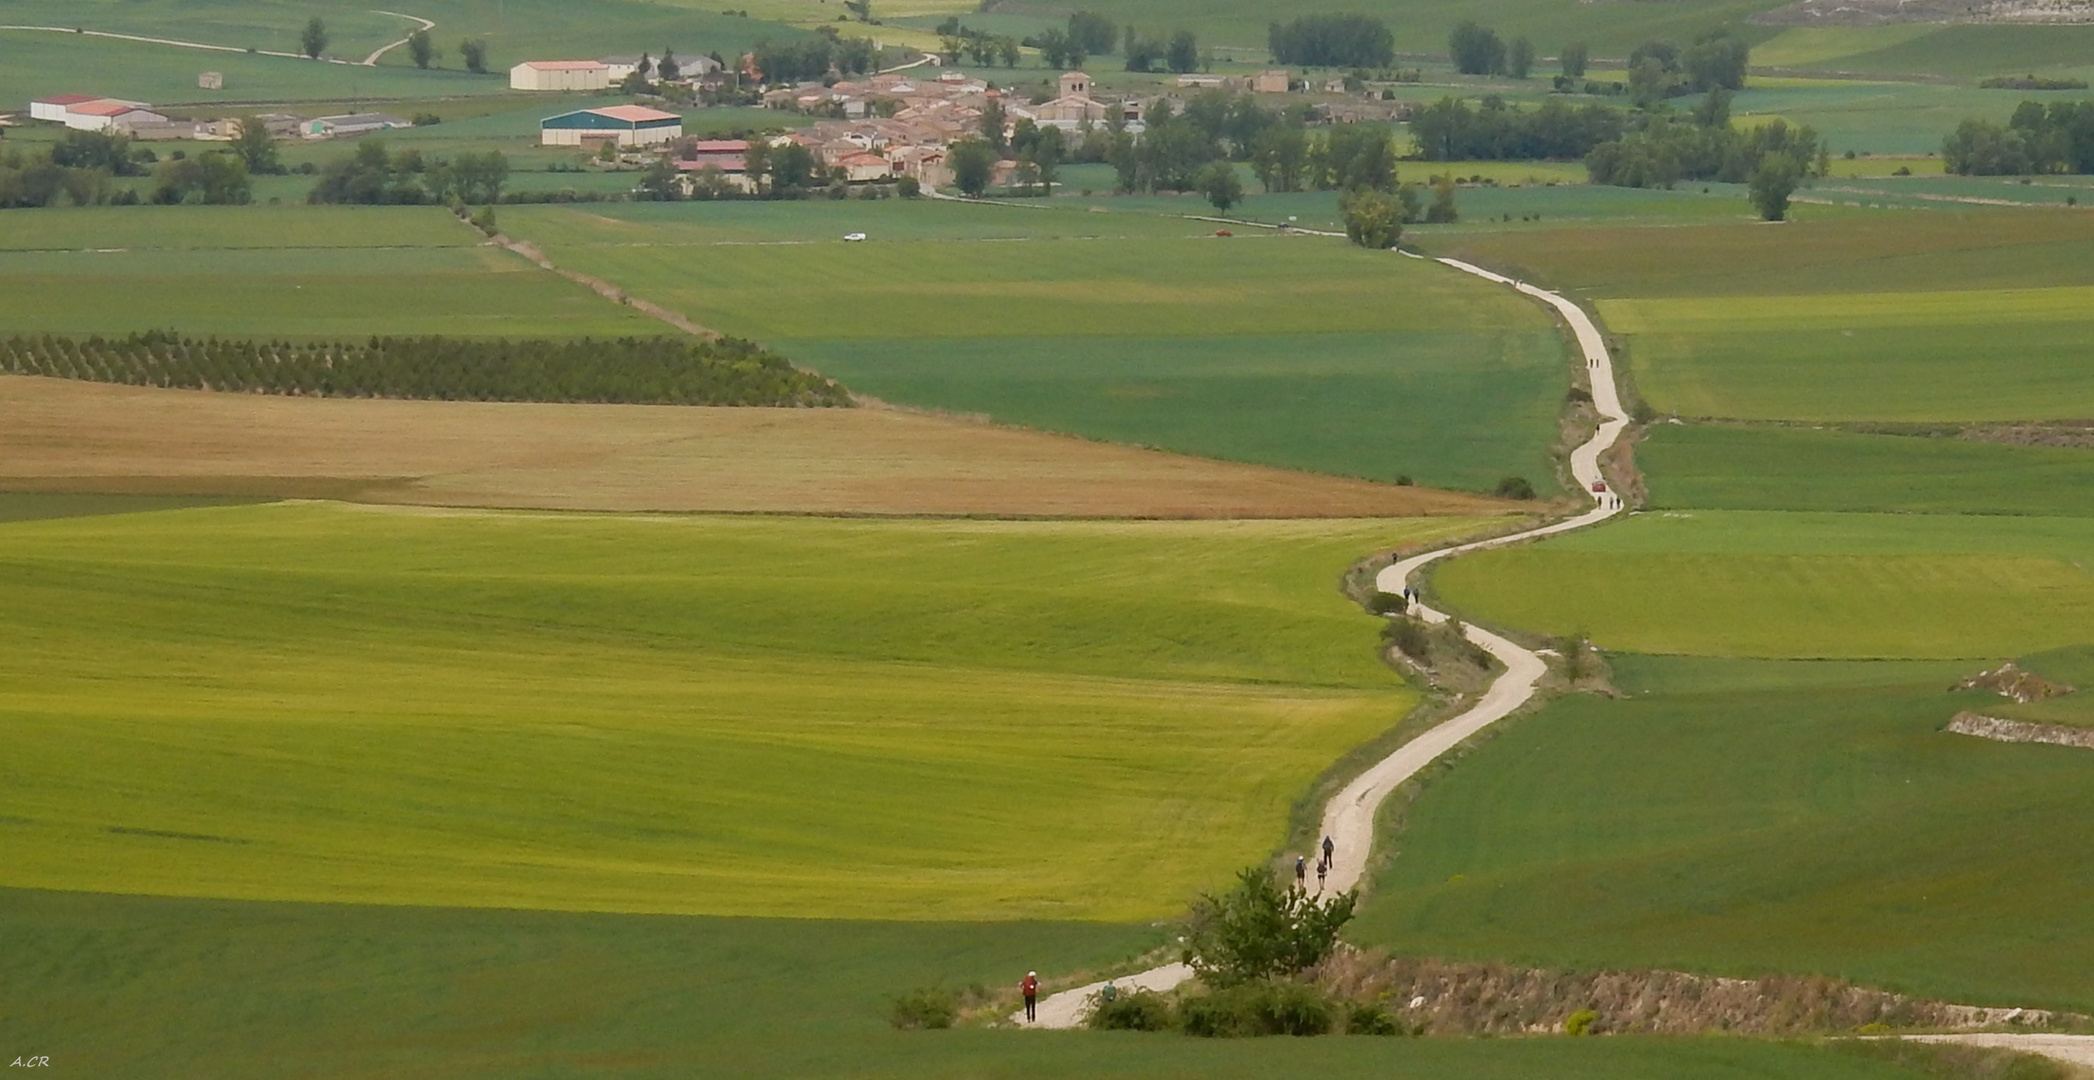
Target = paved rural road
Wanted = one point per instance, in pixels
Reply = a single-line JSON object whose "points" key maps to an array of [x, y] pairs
{"points": [[2071, 1049], [427, 24], [1349, 817]]}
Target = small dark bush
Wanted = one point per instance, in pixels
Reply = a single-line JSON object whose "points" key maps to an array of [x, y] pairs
{"points": [[1254, 1009], [1404, 480], [1365, 1019], [1382, 603], [1514, 487], [1409, 637], [924, 1009], [1142, 1010]]}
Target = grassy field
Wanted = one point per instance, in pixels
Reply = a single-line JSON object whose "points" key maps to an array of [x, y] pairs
{"points": [[1791, 468], [61, 435], [1291, 351], [1770, 584], [283, 272], [1743, 817], [132, 987], [905, 720], [1953, 315]]}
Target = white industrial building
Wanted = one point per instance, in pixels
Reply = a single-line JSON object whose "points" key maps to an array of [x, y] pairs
{"points": [[560, 75]]}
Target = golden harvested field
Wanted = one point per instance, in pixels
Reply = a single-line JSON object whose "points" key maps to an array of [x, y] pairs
{"points": [[59, 435]]}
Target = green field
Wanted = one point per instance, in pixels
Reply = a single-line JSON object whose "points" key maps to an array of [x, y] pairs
{"points": [[1742, 817], [1906, 316], [1767, 584], [1794, 468], [1294, 351], [721, 716], [283, 272], [125, 988]]}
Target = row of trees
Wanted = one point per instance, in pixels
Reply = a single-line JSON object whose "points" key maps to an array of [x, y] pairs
{"points": [[1355, 41], [82, 168], [372, 175], [980, 46], [812, 59], [1660, 69], [652, 370], [1453, 130], [1478, 50], [2054, 138], [1774, 159], [1088, 34]]}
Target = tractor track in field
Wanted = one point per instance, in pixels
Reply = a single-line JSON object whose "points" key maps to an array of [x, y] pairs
{"points": [[1348, 818]]}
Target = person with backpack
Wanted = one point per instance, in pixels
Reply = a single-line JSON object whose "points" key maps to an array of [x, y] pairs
{"points": [[1031, 989], [1330, 851], [1301, 871]]}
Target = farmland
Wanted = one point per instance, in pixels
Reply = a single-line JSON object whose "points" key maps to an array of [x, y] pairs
{"points": [[1818, 586], [61, 435], [1296, 351], [900, 720], [1748, 816], [1793, 468], [337, 273], [348, 992]]}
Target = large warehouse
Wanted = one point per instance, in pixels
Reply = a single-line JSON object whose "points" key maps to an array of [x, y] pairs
{"points": [[560, 75], [629, 125]]}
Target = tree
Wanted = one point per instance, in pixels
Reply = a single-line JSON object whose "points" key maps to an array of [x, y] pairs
{"points": [[1575, 56], [1260, 931], [1092, 34], [861, 8], [1476, 50], [216, 179], [645, 67], [992, 124], [973, 164], [1280, 155], [1183, 54], [1649, 81], [1519, 63], [1221, 185], [256, 148], [1714, 110], [1373, 219], [1717, 58], [1772, 184], [314, 40], [1356, 41], [1442, 212], [421, 49], [1054, 49], [667, 68], [660, 182], [474, 52]]}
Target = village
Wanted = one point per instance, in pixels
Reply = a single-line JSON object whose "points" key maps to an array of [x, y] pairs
{"points": [[890, 127]]}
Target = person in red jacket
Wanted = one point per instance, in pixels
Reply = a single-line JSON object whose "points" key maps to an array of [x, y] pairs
{"points": [[1031, 989]]}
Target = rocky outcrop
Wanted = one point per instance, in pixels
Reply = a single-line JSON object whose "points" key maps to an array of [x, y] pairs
{"points": [[2014, 684], [2020, 731]]}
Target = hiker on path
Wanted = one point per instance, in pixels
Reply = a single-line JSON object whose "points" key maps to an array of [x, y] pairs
{"points": [[1031, 989], [1322, 868], [1330, 851], [1301, 871]]}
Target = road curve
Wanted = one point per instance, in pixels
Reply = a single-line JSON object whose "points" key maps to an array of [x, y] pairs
{"points": [[427, 24], [1348, 819]]}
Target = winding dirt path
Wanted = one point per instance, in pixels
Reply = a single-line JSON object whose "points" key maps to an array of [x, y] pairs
{"points": [[1349, 817], [369, 61]]}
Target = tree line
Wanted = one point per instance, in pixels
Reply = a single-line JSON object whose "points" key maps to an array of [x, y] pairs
{"points": [[812, 59], [1354, 41], [1773, 159], [2053, 138], [630, 370], [1453, 130], [372, 175]]}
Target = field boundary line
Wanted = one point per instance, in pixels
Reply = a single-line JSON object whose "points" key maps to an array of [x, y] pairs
{"points": [[1349, 816], [605, 289]]}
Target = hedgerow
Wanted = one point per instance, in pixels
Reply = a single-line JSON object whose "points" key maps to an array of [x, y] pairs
{"points": [[629, 370]]}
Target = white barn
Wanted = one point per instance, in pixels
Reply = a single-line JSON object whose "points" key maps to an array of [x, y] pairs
{"points": [[560, 75]]}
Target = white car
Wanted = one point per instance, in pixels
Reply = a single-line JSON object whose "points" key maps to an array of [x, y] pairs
{"points": [[852, 238]]}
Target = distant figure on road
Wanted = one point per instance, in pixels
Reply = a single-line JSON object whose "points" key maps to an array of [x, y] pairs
{"points": [[1322, 868], [1330, 850], [1031, 989], [1108, 992], [1301, 871]]}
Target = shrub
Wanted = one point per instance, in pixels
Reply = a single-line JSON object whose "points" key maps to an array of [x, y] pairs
{"points": [[909, 187], [1514, 487], [1382, 603], [1260, 1008], [1259, 930], [924, 1009], [1409, 637], [1580, 1022], [1367, 1019], [1142, 1010]]}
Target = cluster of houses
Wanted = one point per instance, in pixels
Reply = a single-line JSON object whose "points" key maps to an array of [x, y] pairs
{"points": [[82, 112]]}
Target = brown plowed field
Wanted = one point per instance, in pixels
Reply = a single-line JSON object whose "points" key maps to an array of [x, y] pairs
{"points": [[61, 435]]}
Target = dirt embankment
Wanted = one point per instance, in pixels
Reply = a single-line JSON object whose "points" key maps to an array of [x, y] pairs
{"points": [[1880, 12], [1440, 997]]}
